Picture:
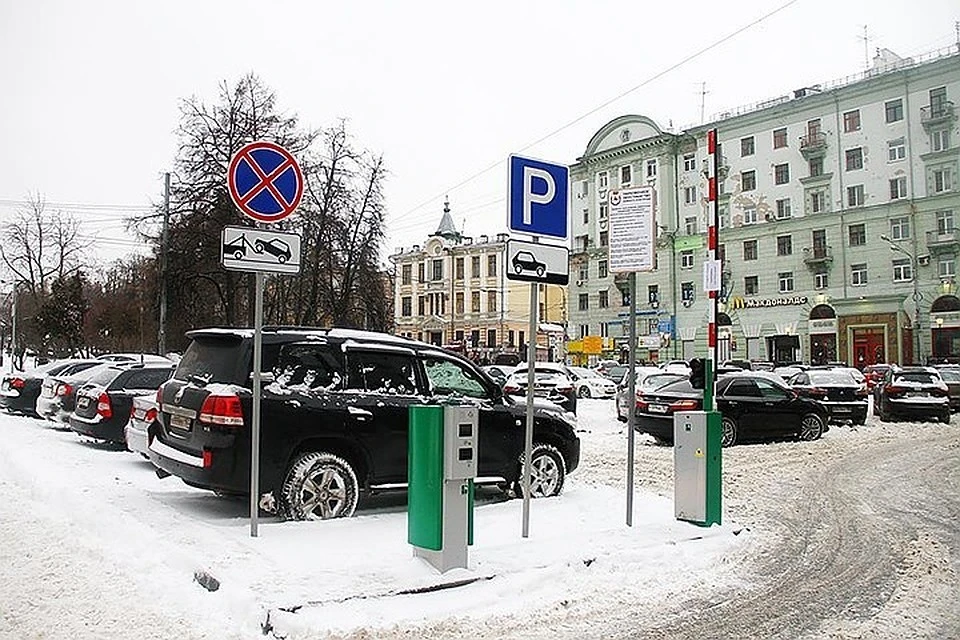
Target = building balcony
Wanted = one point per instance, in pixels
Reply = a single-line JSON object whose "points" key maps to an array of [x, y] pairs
{"points": [[940, 241], [932, 116], [817, 257], [813, 145]]}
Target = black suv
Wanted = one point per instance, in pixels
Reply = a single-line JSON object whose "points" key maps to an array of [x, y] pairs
{"points": [[334, 413]]}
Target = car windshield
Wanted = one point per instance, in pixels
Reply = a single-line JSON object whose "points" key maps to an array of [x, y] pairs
{"points": [[212, 359], [658, 380], [582, 372], [950, 375], [831, 377]]}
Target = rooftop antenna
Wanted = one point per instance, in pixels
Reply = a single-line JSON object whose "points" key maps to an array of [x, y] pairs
{"points": [[866, 48], [703, 99], [956, 28]]}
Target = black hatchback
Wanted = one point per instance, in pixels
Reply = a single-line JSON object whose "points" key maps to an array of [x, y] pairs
{"points": [[844, 397], [755, 406], [103, 403], [19, 391]]}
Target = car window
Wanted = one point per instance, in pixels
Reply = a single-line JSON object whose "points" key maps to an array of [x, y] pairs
{"points": [[746, 387], [308, 367], [831, 377], [104, 376], [919, 377], [450, 378], [381, 372], [950, 375], [216, 359], [769, 389], [143, 379]]}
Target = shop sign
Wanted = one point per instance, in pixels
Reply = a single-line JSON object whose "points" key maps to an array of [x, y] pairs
{"points": [[739, 302], [823, 325]]}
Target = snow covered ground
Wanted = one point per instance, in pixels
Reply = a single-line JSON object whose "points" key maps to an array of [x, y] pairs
{"points": [[94, 542]]}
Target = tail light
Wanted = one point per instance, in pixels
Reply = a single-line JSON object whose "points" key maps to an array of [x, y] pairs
{"points": [[133, 411], [64, 389], [642, 403], [941, 390], [17, 383], [894, 390], [103, 405], [207, 458], [151, 415], [511, 388], [224, 411], [684, 405], [817, 392]]}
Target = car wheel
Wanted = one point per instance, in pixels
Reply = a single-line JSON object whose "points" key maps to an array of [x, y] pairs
{"points": [[584, 391], [811, 427], [549, 472], [540, 272], [238, 254], [258, 247], [518, 268], [728, 432], [945, 418], [860, 421], [281, 259], [320, 486]]}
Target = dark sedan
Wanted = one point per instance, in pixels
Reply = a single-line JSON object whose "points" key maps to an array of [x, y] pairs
{"points": [[911, 392], [104, 401], [843, 396], [551, 380], [755, 406], [19, 391], [951, 377]]}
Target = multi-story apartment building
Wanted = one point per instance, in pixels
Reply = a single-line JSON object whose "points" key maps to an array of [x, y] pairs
{"points": [[838, 232], [453, 292]]}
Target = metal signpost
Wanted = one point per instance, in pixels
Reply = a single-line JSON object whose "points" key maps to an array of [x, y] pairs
{"points": [[632, 249], [537, 204], [266, 184]]}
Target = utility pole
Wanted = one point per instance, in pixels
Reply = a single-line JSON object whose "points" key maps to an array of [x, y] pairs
{"points": [[164, 241], [13, 327]]}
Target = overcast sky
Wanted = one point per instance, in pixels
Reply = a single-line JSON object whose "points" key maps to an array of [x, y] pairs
{"points": [[444, 90]]}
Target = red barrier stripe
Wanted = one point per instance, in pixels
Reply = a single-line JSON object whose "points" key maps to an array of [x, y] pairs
{"points": [[712, 141]]}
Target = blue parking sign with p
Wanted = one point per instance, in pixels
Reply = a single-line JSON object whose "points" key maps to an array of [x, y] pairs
{"points": [[537, 199]]}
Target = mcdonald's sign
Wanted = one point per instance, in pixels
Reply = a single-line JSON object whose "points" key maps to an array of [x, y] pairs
{"points": [[739, 302]]}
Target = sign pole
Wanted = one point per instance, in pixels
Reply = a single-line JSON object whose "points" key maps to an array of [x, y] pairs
{"points": [[255, 422], [632, 394], [709, 399], [528, 434]]}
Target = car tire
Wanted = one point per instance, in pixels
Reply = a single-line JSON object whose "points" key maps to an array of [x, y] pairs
{"points": [[584, 391], [258, 247], [238, 255], [812, 427], [860, 421], [281, 259], [549, 472], [518, 268], [945, 418], [319, 486], [728, 432], [540, 272]]}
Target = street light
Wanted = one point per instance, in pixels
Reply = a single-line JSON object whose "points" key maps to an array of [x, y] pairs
{"points": [[916, 292]]}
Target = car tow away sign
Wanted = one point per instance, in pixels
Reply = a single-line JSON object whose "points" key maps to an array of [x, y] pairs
{"points": [[535, 262], [249, 249]]}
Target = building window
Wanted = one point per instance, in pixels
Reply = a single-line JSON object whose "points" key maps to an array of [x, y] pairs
{"points": [[624, 298], [820, 280], [855, 196], [686, 259], [723, 212], [586, 216], [747, 147], [421, 305], [858, 235], [604, 238], [779, 138], [899, 228], [896, 150], [784, 245], [604, 211], [626, 175], [583, 302], [751, 285], [406, 274], [938, 102], [492, 266], [816, 167], [944, 222], [491, 337], [750, 215], [690, 226], [851, 121], [942, 180], [898, 188], [686, 292], [940, 140], [585, 188], [854, 159], [894, 110], [690, 195], [458, 268], [818, 201], [406, 306], [902, 271], [583, 330], [748, 180], [603, 181], [584, 273], [781, 174], [749, 249], [421, 272], [689, 162], [436, 271], [492, 301], [651, 168], [722, 252], [475, 266], [858, 275], [947, 266], [458, 302], [475, 302], [602, 269], [653, 293], [603, 299], [785, 281], [580, 243]]}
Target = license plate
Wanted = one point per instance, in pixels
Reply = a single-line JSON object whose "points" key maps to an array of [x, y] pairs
{"points": [[658, 408], [83, 401], [180, 422], [842, 409]]}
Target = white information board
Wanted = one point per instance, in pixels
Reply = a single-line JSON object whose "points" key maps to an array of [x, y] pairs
{"points": [[632, 230]]}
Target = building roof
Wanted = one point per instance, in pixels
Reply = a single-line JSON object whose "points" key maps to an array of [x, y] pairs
{"points": [[447, 228]]}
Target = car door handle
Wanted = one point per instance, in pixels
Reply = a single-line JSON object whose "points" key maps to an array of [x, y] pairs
{"points": [[359, 414]]}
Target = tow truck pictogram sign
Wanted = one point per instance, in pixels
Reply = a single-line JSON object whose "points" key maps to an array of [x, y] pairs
{"points": [[250, 249]]}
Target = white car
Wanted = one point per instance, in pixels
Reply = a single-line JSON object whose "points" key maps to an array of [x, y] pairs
{"points": [[590, 384], [676, 366]]}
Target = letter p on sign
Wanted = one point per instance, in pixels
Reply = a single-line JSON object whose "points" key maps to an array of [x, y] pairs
{"points": [[538, 197]]}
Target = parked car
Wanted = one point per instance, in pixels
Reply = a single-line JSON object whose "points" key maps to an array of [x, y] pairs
{"points": [[754, 406], [785, 372], [604, 366], [616, 372], [135, 357], [761, 365], [335, 418], [845, 398], [19, 391], [676, 366], [104, 401], [525, 261], [58, 393], [143, 413], [499, 372], [275, 247], [590, 384], [951, 377], [874, 373], [647, 378], [552, 381], [911, 392]]}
